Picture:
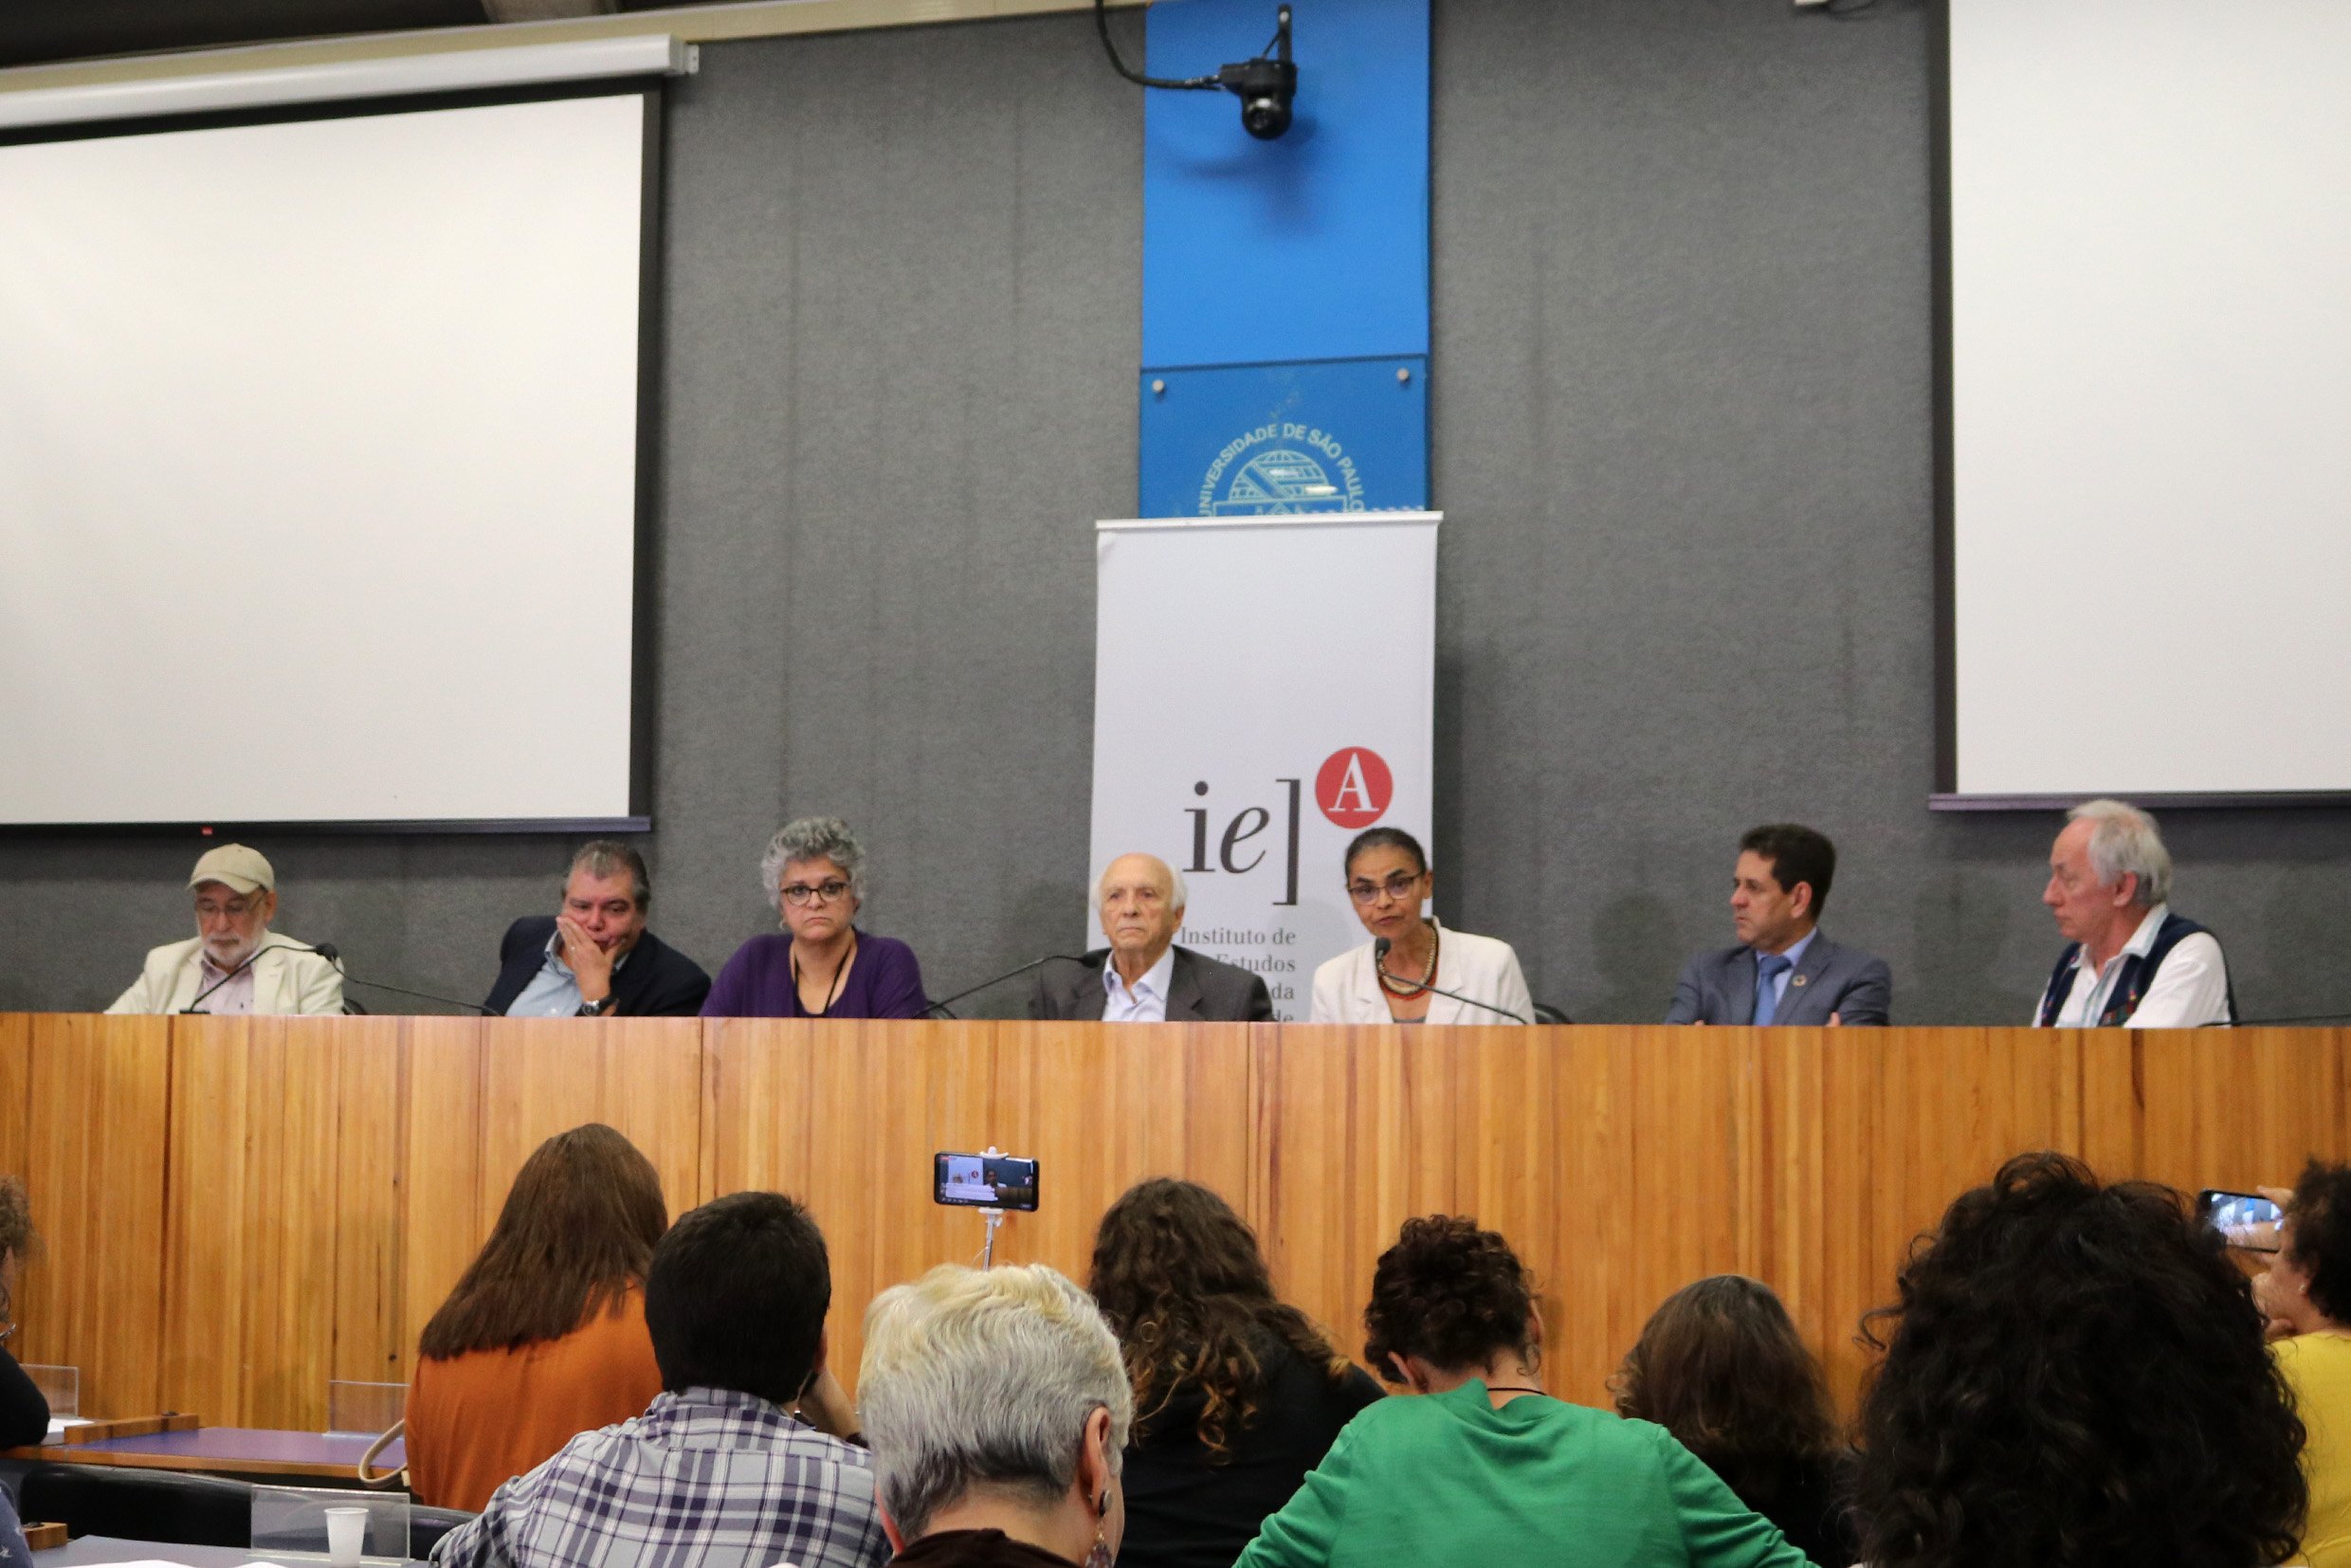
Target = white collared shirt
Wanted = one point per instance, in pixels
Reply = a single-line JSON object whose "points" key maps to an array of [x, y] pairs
{"points": [[1145, 1002], [2188, 992]]}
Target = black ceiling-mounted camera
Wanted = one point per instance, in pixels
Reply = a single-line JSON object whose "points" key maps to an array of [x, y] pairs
{"points": [[1265, 85]]}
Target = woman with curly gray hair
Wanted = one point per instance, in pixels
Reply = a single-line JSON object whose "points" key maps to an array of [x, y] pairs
{"points": [[820, 965]]}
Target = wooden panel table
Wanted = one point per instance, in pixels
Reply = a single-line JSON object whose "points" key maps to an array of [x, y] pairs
{"points": [[240, 1210]]}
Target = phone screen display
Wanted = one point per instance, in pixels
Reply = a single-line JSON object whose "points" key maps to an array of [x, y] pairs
{"points": [[985, 1181], [2245, 1220]]}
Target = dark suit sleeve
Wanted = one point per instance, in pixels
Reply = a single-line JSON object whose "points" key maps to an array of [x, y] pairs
{"points": [[1690, 1000], [24, 1414], [1260, 1001], [1040, 999], [677, 989], [1871, 998], [511, 947]]}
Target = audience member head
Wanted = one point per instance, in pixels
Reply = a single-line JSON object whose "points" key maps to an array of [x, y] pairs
{"points": [[737, 1297], [2107, 869], [1179, 1278], [577, 1231], [236, 898], [2307, 1290], [1780, 885], [814, 873], [17, 1241], [1720, 1367], [2075, 1378], [607, 893], [1140, 902], [1388, 879], [1449, 1302], [995, 1399]]}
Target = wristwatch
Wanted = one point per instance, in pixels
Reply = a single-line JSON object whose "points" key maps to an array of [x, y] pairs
{"points": [[593, 1010]]}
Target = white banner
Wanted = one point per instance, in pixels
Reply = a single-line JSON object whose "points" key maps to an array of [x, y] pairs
{"points": [[1264, 690]]}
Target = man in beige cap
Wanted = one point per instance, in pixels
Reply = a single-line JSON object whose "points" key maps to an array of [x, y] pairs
{"points": [[231, 964]]}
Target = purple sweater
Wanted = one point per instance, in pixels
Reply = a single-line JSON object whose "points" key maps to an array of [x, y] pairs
{"points": [[884, 982]]}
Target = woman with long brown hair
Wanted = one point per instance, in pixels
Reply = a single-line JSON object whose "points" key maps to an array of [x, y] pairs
{"points": [[544, 1336], [1237, 1394], [1720, 1367]]}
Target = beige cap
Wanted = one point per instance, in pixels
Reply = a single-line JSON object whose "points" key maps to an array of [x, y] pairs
{"points": [[236, 866]]}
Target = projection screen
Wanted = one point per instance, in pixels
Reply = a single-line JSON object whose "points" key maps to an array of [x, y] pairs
{"points": [[2148, 237], [318, 468]]}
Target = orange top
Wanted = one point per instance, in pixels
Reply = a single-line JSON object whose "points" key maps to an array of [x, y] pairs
{"points": [[477, 1419]]}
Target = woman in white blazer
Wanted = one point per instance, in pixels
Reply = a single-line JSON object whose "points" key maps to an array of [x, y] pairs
{"points": [[1397, 977]]}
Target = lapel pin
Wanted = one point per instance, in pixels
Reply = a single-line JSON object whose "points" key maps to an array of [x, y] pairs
{"points": [[1797, 980]]}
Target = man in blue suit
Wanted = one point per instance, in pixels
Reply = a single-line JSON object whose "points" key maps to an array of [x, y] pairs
{"points": [[1785, 969]]}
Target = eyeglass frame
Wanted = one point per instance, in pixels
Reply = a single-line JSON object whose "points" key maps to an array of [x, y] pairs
{"points": [[1397, 887], [800, 895]]}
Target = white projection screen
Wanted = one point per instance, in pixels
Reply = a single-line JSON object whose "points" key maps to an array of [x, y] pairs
{"points": [[318, 468], [2149, 471]]}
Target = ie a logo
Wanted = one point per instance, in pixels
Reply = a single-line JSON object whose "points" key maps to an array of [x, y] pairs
{"points": [[1353, 786], [1279, 467]]}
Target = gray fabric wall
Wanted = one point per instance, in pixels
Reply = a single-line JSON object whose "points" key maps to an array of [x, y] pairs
{"points": [[1683, 439]]}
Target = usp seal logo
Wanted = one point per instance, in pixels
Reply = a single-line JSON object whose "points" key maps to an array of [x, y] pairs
{"points": [[1353, 786], [1280, 467]]}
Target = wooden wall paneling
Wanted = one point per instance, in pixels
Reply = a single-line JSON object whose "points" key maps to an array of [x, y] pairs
{"points": [[372, 1336], [249, 1283], [1930, 1113], [2235, 1108], [445, 1211], [97, 1115], [1102, 1107], [639, 1076], [16, 1096], [844, 1115]]}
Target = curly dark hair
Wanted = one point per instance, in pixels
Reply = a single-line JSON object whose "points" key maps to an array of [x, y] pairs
{"points": [[17, 1236], [2319, 1240], [1179, 1277], [2074, 1378], [1449, 1293], [1721, 1366]]}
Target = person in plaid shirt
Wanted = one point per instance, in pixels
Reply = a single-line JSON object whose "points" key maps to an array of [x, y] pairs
{"points": [[718, 1473]]}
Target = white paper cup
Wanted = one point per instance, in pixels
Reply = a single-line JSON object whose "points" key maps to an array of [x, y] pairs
{"points": [[346, 1535]]}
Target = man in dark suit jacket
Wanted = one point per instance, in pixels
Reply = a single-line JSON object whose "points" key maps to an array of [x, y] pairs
{"points": [[1785, 969], [1142, 977], [594, 958]]}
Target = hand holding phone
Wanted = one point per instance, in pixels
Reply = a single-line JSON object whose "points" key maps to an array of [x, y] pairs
{"points": [[2248, 1221]]}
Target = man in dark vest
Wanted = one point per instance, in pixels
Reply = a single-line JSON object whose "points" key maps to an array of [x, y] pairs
{"points": [[2131, 963]]}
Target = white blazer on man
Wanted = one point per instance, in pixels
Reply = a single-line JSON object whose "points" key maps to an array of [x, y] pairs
{"points": [[283, 980], [1346, 991]]}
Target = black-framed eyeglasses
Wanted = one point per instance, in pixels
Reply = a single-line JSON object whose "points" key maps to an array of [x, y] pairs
{"points": [[830, 891], [1399, 887]]}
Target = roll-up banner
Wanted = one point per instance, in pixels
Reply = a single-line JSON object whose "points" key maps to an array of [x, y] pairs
{"points": [[1265, 689]]}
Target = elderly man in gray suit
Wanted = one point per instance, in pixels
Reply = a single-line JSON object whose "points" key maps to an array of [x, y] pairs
{"points": [[1785, 969], [1142, 977]]}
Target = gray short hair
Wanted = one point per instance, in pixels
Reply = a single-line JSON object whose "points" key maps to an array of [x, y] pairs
{"points": [[1179, 896], [813, 838], [2123, 839], [607, 857], [978, 1378]]}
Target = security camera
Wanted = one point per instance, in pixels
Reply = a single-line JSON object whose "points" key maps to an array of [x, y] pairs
{"points": [[1265, 85]]}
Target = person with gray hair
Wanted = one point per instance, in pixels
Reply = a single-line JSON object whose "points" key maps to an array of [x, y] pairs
{"points": [[997, 1406], [820, 965], [1142, 977], [594, 958], [2129, 962]]}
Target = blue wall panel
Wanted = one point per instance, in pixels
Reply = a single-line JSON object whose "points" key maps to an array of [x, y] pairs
{"points": [[1314, 246], [1252, 440]]}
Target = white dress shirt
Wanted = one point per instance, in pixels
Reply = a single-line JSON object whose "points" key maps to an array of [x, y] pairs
{"points": [[1145, 1001], [2188, 992]]}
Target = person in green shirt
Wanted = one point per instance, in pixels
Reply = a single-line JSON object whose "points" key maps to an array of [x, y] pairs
{"points": [[1489, 1470]]}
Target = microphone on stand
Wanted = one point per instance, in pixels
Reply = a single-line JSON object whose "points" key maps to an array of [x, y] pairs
{"points": [[1033, 963], [1379, 952], [266, 947], [333, 954]]}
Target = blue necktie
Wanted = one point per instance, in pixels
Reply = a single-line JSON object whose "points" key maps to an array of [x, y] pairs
{"points": [[1767, 969]]}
